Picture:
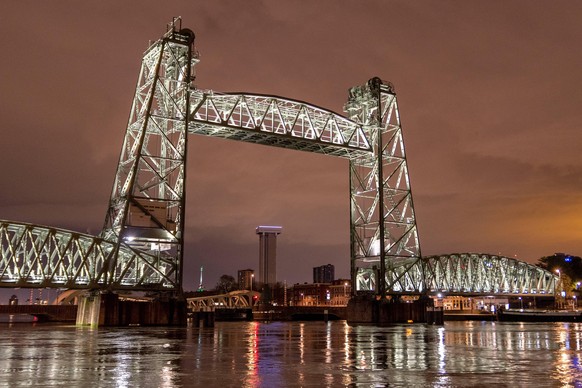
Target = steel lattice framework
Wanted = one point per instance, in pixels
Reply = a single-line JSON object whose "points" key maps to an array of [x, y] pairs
{"points": [[141, 244], [38, 256], [476, 274], [146, 209], [277, 121], [231, 300], [384, 239], [383, 232]]}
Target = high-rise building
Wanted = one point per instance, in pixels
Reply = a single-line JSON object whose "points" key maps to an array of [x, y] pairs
{"points": [[324, 274], [246, 279], [268, 253]]}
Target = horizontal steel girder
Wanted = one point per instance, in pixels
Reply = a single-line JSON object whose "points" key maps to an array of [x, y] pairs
{"points": [[231, 300], [35, 256], [468, 274], [278, 122]]}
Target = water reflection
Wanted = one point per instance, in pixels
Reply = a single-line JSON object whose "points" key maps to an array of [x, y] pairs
{"points": [[275, 354]]}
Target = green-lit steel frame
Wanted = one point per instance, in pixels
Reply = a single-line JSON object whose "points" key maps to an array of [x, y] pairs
{"points": [[38, 256], [141, 244]]}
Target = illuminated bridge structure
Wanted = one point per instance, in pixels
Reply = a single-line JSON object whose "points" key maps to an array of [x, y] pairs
{"points": [[142, 241], [475, 274], [231, 300]]}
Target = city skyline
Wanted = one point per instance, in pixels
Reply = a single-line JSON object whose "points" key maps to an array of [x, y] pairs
{"points": [[488, 96]]}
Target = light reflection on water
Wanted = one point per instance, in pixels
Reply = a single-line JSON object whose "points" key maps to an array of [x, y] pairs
{"points": [[253, 354]]}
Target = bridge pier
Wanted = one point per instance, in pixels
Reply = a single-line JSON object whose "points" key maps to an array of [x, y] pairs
{"points": [[203, 318], [88, 310], [370, 310], [108, 310]]}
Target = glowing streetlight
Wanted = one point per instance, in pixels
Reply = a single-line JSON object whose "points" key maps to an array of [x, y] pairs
{"points": [[556, 287], [520, 303]]}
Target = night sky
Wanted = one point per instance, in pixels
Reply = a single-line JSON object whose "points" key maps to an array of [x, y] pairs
{"points": [[489, 94]]}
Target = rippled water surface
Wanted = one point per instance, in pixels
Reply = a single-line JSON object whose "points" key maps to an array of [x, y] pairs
{"points": [[281, 354]]}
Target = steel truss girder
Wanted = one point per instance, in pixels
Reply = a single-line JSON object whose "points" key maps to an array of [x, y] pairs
{"points": [[478, 273], [35, 256], [231, 300], [276, 121]]}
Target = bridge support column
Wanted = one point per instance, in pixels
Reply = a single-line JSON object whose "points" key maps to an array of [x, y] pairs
{"points": [[108, 310], [369, 310], [203, 318], [88, 310]]}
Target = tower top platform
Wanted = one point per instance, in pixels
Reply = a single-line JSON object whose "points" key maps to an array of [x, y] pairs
{"points": [[269, 229]]}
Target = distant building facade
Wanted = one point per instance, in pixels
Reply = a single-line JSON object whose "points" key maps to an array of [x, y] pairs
{"points": [[268, 253], [336, 293], [246, 279], [324, 274]]}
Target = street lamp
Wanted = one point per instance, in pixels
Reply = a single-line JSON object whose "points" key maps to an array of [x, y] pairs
{"points": [[520, 303], [556, 288], [252, 282]]}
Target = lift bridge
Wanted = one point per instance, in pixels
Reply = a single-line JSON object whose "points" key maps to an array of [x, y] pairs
{"points": [[142, 242]]}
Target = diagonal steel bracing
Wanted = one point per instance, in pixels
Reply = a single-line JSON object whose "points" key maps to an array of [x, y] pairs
{"points": [[39, 256], [384, 238], [146, 209], [141, 244]]}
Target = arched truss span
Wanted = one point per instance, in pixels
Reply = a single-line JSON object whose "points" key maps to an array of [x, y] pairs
{"points": [[277, 121], [478, 273], [36, 256], [231, 300]]}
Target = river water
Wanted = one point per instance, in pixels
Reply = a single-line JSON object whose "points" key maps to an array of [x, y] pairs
{"points": [[293, 354]]}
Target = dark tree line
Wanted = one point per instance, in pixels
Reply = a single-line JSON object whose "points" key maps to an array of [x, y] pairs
{"points": [[225, 284], [569, 267]]}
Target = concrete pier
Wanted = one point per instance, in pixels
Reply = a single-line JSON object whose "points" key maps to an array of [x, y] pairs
{"points": [[203, 318], [370, 310], [108, 310]]}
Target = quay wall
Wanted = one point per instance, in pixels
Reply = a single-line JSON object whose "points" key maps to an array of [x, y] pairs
{"points": [[44, 313]]}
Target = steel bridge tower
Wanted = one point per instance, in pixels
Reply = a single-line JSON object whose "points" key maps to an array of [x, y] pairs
{"points": [[385, 248], [146, 209]]}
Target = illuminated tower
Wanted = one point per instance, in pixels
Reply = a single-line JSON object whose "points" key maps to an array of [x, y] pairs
{"points": [[268, 253]]}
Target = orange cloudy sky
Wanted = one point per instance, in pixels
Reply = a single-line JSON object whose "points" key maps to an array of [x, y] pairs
{"points": [[489, 93]]}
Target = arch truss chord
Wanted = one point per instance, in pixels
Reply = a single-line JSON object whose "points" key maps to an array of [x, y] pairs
{"points": [[477, 273], [277, 121], [36, 256], [231, 300]]}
